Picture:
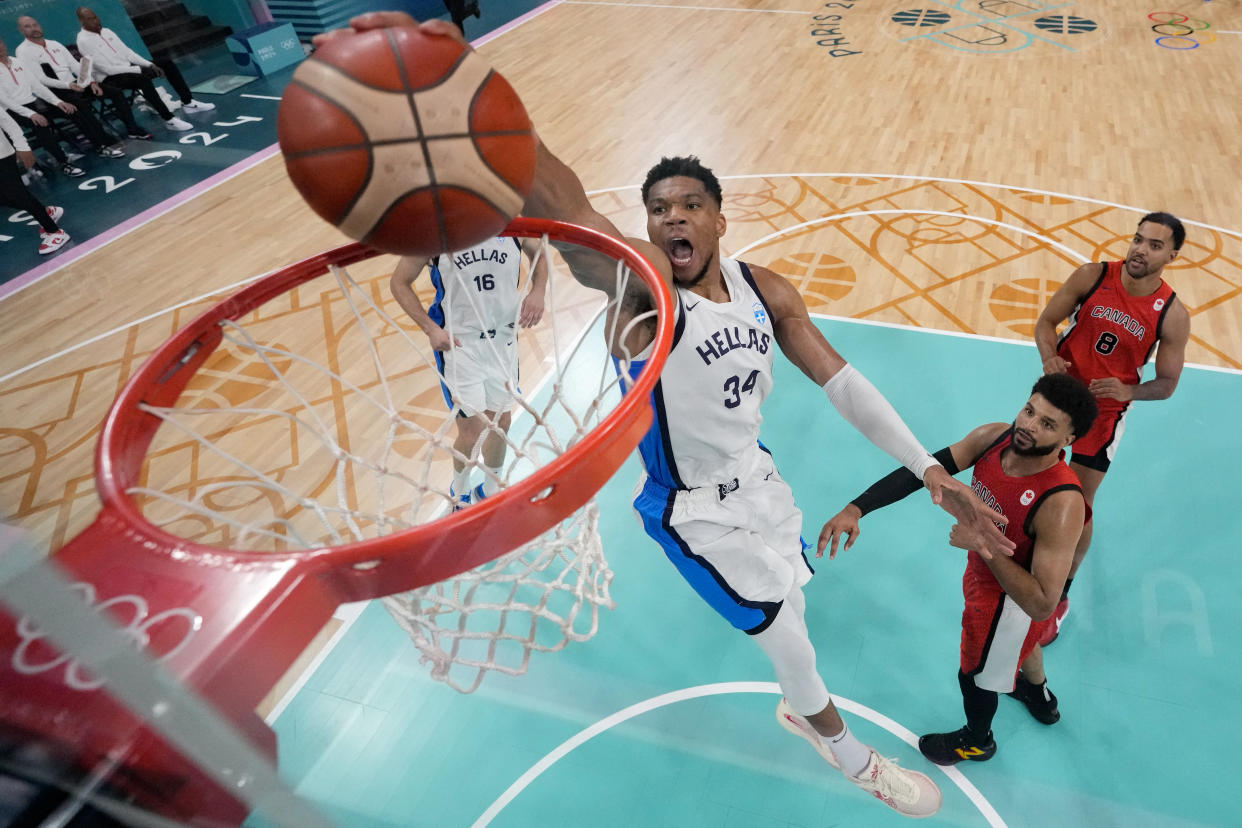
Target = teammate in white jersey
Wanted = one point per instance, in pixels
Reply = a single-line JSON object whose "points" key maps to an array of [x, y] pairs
{"points": [[730, 524], [472, 325]]}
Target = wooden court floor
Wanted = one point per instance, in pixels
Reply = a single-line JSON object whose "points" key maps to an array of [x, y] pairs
{"points": [[944, 170]]}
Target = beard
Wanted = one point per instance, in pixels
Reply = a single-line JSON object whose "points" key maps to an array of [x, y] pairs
{"points": [[1034, 450], [1146, 270], [698, 277]]}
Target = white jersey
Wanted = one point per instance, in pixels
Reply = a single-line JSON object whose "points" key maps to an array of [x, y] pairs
{"points": [[477, 288], [718, 373]]}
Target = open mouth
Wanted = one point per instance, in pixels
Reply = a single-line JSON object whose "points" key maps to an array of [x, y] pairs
{"points": [[680, 252]]}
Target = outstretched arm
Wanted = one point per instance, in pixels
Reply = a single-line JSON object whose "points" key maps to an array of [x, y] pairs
{"points": [[901, 483], [854, 397], [557, 193], [865, 408], [896, 485]]}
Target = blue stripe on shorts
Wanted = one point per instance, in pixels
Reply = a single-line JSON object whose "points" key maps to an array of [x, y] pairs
{"points": [[654, 504]]}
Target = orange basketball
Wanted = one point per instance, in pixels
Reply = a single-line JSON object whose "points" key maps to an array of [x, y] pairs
{"points": [[409, 142]]}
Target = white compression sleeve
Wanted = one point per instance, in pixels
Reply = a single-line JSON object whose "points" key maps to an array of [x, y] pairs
{"points": [[865, 408]]}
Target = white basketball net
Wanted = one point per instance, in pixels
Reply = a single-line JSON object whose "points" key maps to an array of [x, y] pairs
{"points": [[320, 421]]}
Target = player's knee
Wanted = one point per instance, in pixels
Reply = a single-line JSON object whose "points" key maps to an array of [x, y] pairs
{"points": [[469, 429]]}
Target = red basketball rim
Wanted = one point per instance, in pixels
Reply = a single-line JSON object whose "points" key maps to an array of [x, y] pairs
{"points": [[245, 617], [413, 557]]}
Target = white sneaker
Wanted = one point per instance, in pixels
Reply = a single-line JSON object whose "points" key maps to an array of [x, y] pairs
{"points": [[197, 106], [907, 792], [51, 242], [798, 725], [55, 212], [178, 125]]}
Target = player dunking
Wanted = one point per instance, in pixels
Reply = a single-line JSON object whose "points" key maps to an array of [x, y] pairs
{"points": [[472, 326], [1118, 312], [1019, 469], [712, 497]]}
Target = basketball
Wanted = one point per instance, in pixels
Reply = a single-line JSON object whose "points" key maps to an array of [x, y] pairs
{"points": [[408, 142]]}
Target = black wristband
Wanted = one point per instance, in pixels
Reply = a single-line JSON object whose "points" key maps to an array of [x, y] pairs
{"points": [[899, 484]]}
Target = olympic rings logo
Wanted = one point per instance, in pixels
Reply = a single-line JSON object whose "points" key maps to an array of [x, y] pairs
{"points": [[137, 631], [1176, 31]]}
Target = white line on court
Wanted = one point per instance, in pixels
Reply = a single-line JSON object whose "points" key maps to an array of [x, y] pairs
{"points": [[971, 182], [79, 345], [89, 246], [514, 23], [1073, 254], [1023, 343], [348, 614], [770, 687], [1069, 252], [920, 212]]}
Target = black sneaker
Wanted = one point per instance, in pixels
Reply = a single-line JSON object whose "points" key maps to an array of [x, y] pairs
{"points": [[1038, 699], [72, 171], [951, 748]]}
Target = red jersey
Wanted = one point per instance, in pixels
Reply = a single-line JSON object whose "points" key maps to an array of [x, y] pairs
{"points": [[1017, 498], [1113, 334]]}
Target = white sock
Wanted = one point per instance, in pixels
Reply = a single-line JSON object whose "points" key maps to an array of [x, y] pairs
{"points": [[852, 754], [490, 486], [461, 480]]}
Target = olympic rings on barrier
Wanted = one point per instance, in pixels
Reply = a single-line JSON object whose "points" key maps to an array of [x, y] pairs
{"points": [[136, 631]]}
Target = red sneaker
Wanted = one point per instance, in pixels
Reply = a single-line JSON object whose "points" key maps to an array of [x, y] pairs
{"points": [[1054, 629], [51, 242]]}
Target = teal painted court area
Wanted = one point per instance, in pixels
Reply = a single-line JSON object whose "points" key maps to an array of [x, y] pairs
{"points": [[1147, 668], [154, 175]]}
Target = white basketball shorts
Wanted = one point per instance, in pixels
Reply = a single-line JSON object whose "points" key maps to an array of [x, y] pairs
{"points": [[481, 374], [738, 544]]}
